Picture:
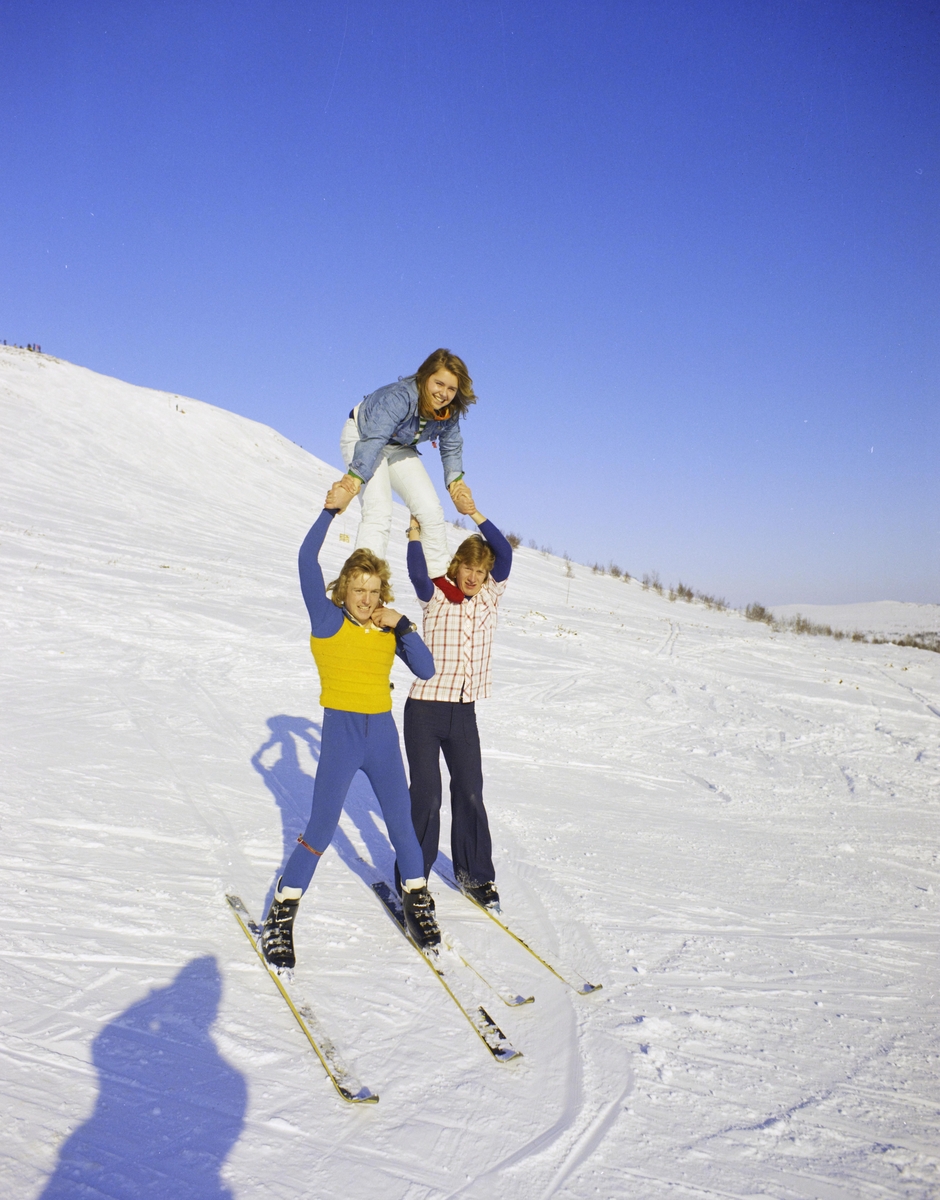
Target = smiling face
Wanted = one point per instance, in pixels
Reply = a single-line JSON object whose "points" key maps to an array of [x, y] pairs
{"points": [[470, 579], [440, 391], [363, 596]]}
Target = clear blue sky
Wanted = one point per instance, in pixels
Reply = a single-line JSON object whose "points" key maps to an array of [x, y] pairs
{"points": [[688, 249]]}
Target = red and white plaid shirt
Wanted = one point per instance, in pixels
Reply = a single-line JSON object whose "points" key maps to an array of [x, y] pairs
{"points": [[460, 636]]}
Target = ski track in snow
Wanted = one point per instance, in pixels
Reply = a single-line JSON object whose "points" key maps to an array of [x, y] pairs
{"points": [[734, 830]]}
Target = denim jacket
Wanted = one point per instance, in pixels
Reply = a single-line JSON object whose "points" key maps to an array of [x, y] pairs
{"points": [[390, 417]]}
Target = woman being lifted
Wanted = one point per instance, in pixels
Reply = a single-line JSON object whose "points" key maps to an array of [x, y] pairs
{"points": [[354, 638], [379, 445]]}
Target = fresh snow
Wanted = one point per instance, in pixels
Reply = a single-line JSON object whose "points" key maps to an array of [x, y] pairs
{"points": [[733, 829]]}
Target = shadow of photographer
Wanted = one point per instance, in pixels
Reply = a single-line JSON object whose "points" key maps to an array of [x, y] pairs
{"points": [[169, 1108]]}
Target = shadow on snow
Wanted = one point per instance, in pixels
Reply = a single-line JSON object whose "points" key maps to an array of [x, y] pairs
{"points": [[169, 1108]]}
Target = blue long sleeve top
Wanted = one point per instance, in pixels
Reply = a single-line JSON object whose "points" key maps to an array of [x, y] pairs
{"points": [[326, 618], [418, 569]]}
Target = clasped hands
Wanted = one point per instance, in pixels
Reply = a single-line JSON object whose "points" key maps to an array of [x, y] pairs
{"points": [[343, 490]]}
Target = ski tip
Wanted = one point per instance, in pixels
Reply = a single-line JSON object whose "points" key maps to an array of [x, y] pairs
{"points": [[518, 1001], [363, 1096], [587, 988], [507, 1054]]}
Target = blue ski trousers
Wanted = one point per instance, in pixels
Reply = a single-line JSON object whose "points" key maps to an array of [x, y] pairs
{"points": [[354, 742]]}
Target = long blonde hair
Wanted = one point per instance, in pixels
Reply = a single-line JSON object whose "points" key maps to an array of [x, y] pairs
{"points": [[444, 360], [361, 562]]}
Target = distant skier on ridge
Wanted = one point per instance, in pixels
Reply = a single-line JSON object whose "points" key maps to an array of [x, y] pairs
{"points": [[379, 447], [460, 611], [354, 639]]}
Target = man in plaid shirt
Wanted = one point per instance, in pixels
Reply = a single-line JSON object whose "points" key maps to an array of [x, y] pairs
{"points": [[460, 611]]}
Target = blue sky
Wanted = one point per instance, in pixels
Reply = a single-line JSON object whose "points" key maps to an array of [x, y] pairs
{"points": [[689, 251]]}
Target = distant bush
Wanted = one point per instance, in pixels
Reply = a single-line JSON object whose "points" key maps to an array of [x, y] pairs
{"points": [[757, 612], [685, 593], [921, 641], [615, 571], [718, 602], [514, 540], [800, 624]]}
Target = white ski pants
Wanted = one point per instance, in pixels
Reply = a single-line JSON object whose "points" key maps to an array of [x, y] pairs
{"points": [[408, 478]]}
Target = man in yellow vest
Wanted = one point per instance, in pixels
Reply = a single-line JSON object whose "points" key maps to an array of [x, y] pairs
{"points": [[354, 638]]}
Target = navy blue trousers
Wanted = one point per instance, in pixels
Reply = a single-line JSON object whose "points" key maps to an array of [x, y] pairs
{"points": [[354, 742], [433, 727]]}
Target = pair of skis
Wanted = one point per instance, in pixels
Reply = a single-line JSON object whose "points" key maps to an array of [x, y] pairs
{"points": [[452, 970]]}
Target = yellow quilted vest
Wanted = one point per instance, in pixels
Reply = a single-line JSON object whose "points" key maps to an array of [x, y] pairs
{"points": [[354, 666]]}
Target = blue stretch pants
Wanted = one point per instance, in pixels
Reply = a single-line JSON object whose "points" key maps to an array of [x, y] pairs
{"points": [[354, 742], [432, 728]]}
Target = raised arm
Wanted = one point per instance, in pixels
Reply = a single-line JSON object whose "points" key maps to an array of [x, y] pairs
{"points": [[501, 548], [325, 617], [417, 566]]}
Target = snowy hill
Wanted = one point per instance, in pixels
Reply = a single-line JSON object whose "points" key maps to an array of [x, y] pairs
{"points": [[733, 829]]}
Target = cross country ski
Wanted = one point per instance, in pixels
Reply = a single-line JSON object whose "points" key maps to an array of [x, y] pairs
{"points": [[567, 975], [341, 1077], [448, 966]]}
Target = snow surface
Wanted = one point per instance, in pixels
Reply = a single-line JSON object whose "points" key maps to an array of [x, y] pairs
{"points": [[733, 829], [884, 618]]}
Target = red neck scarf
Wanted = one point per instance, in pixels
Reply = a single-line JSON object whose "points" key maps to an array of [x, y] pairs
{"points": [[450, 590]]}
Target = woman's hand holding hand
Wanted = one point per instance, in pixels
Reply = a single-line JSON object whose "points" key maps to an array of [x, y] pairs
{"points": [[336, 498], [463, 499], [342, 492]]}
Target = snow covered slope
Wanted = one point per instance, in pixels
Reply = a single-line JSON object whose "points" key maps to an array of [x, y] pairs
{"points": [[735, 830]]}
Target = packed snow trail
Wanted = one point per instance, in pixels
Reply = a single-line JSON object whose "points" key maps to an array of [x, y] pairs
{"points": [[733, 830]]}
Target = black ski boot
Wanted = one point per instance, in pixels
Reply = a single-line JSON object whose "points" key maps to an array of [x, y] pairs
{"points": [[419, 918], [277, 936], [484, 894]]}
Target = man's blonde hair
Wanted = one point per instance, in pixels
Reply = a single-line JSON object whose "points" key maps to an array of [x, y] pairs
{"points": [[474, 551], [361, 562]]}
